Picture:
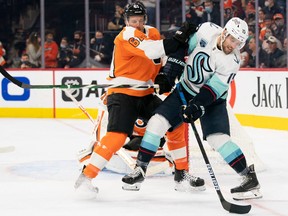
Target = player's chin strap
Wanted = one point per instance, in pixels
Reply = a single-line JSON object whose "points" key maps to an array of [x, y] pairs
{"points": [[122, 153]]}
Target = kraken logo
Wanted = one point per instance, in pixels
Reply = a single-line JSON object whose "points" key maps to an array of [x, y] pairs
{"points": [[199, 66]]}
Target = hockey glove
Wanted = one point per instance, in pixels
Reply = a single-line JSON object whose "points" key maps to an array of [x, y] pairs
{"points": [[192, 112], [163, 82], [183, 33]]}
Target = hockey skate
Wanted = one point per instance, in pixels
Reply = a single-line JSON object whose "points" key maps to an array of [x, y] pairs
{"points": [[185, 182], [249, 188], [85, 188], [133, 180]]}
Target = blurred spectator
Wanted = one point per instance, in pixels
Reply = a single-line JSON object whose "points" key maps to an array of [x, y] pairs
{"points": [[211, 12], [244, 59], [282, 60], [264, 30], [97, 42], [25, 63], [33, 49], [252, 50], [2, 54], [228, 12], [278, 27], [274, 53], [117, 22], [151, 11], [78, 51], [103, 49], [271, 7], [51, 51], [237, 7], [250, 13], [285, 44], [261, 20], [198, 7], [65, 53], [193, 14]]}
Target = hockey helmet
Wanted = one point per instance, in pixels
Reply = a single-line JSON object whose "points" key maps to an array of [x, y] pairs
{"points": [[135, 9], [238, 28]]}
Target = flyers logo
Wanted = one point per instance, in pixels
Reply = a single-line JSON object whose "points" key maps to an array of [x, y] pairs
{"points": [[134, 42], [140, 123]]}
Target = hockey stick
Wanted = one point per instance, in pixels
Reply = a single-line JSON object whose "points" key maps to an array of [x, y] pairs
{"points": [[29, 86], [232, 208]]}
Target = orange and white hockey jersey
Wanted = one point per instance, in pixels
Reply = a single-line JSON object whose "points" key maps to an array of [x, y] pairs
{"points": [[136, 59]]}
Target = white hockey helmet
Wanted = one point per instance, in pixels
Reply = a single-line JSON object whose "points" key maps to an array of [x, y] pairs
{"points": [[238, 28]]}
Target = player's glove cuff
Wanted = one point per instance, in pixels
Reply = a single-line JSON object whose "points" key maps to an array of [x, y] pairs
{"points": [[192, 112], [183, 33]]}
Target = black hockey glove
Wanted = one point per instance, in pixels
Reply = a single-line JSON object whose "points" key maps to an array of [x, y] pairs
{"points": [[164, 84], [183, 33], [192, 112]]}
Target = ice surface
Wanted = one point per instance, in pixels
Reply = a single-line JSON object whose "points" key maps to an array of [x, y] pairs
{"points": [[37, 178]]}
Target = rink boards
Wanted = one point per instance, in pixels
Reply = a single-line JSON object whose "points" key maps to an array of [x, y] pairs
{"points": [[259, 97]]}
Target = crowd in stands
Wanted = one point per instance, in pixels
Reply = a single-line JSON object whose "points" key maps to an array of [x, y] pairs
{"points": [[70, 53]]}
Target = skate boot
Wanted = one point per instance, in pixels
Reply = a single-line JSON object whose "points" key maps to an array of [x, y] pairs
{"points": [[185, 182], [249, 188], [85, 188], [133, 180]]}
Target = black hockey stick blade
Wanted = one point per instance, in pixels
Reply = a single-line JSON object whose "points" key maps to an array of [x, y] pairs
{"points": [[29, 86], [232, 208]]}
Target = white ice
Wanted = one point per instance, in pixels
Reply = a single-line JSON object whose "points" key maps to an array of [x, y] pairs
{"points": [[37, 178]]}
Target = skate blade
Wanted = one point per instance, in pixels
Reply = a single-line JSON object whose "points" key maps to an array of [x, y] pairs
{"points": [[131, 187], [188, 188], [253, 194]]}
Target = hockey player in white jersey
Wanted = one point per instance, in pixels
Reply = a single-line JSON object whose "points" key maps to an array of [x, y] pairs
{"points": [[213, 61]]}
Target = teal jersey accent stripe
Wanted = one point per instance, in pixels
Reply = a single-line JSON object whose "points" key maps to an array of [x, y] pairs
{"points": [[217, 85], [229, 151], [192, 43], [150, 141]]}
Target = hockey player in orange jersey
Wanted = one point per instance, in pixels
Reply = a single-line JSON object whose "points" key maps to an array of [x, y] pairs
{"points": [[136, 60]]}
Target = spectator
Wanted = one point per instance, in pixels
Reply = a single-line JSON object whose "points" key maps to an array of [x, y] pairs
{"points": [[282, 60], [151, 11], [268, 23], [250, 13], [261, 16], [244, 59], [51, 51], [238, 8], [271, 7], [252, 50], [102, 48], [211, 12], [2, 54], [117, 23], [198, 7], [285, 44], [274, 52], [97, 42], [228, 12], [191, 13], [78, 51], [278, 27], [65, 53], [33, 49], [25, 63]]}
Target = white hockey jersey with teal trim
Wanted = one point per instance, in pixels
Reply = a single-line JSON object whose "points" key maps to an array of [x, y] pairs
{"points": [[206, 64]]}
